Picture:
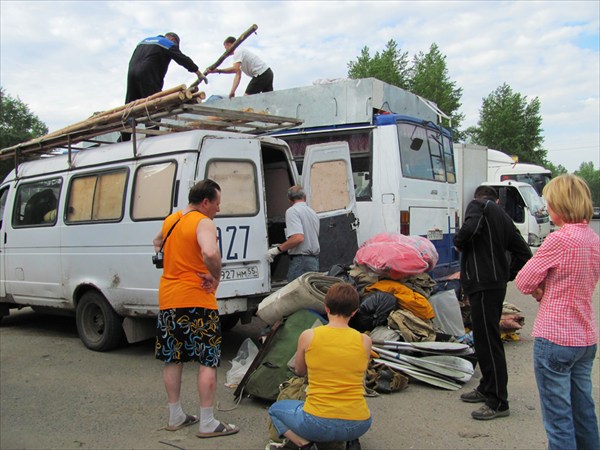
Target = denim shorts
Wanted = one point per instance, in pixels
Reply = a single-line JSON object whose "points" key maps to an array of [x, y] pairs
{"points": [[189, 334]]}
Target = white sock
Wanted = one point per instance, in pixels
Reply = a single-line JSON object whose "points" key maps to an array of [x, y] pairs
{"points": [[208, 423], [176, 414]]}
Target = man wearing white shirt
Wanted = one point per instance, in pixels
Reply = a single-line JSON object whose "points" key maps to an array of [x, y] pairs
{"points": [[246, 61]]}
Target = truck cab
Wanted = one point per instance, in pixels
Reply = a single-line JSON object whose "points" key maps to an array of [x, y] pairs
{"points": [[526, 208]]}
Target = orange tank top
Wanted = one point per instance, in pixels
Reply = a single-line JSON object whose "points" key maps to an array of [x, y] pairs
{"points": [[180, 285], [336, 360]]}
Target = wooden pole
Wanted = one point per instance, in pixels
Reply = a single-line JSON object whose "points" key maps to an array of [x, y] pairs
{"points": [[222, 58]]}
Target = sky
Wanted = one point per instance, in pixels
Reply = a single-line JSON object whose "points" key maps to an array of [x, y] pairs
{"points": [[67, 60]]}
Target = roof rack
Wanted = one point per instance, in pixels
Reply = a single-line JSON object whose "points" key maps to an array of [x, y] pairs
{"points": [[173, 110]]}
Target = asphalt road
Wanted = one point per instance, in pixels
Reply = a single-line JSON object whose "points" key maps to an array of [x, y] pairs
{"points": [[54, 393]]}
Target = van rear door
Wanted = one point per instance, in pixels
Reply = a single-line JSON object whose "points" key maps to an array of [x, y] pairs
{"points": [[327, 181], [236, 165]]}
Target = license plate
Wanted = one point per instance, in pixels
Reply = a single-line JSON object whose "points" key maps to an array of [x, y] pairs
{"points": [[239, 273], [435, 235]]}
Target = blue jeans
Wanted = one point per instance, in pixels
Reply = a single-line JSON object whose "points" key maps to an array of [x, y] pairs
{"points": [[300, 264], [289, 415], [564, 379]]}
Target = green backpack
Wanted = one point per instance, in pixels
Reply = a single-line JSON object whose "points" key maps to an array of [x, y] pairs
{"points": [[269, 369]]}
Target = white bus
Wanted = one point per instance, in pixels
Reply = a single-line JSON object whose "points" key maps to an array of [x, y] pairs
{"points": [[402, 161]]}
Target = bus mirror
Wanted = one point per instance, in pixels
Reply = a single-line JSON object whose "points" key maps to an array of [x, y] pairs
{"points": [[416, 144]]}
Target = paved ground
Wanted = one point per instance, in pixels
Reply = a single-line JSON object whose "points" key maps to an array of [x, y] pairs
{"points": [[54, 393]]}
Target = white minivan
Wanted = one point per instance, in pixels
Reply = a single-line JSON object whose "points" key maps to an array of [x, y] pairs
{"points": [[77, 229]]}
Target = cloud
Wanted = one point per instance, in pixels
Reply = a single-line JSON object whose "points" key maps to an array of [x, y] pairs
{"points": [[68, 59]]}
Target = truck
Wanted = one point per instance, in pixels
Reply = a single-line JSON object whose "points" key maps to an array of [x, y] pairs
{"points": [[77, 227], [502, 167], [402, 160], [519, 199]]}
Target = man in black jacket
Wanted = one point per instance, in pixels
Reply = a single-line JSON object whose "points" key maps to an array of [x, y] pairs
{"points": [[493, 251], [148, 67]]}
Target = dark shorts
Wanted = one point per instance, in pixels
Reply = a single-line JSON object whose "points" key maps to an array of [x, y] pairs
{"points": [[189, 334], [261, 83]]}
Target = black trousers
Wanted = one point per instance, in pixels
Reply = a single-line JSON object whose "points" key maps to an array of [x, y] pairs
{"points": [[486, 311], [261, 83]]}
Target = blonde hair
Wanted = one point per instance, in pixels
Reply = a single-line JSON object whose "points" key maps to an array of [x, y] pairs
{"points": [[569, 196]]}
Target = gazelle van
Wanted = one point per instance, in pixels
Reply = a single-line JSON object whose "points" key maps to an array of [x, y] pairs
{"points": [[77, 228]]}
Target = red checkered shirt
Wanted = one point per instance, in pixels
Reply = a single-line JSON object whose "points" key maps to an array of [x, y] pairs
{"points": [[567, 267]]}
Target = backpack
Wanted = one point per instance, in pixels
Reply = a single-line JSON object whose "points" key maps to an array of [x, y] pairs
{"points": [[270, 367]]}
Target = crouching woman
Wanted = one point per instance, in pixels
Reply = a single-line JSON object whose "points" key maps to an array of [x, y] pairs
{"points": [[335, 357]]}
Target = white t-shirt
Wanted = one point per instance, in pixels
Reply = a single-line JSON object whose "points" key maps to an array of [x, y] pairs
{"points": [[252, 65]]}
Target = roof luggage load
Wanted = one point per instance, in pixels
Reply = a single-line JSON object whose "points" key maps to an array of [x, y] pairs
{"points": [[338, 103], [172, 110]]}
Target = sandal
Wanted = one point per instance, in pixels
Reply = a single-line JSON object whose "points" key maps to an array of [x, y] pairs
{"points": [[189, 420], [223, 429]]}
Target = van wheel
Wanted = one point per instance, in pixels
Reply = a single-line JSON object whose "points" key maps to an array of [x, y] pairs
{"points": [[99, 326], [229, 321]]}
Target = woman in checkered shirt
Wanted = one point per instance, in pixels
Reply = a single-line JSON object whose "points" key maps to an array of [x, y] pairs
{"points": [[562, 276]]}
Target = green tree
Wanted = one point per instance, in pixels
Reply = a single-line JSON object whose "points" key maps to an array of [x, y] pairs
{"points": [[390, 66], [556, 170], [510, 123], [430, 80], [17, 124], [592, 178]]}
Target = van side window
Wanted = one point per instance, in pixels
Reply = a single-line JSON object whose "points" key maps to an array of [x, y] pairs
{"points": [[36, 203], [239, 188], [3, 197], [96, 197], [328, 186], [152, 194]]}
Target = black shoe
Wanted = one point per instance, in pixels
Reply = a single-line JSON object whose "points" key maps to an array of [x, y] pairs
{"points": [[487, 413], [353, 445], [473, 397]]}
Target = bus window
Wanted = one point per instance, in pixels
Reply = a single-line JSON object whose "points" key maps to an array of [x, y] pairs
{"points": [[97, 197], [152, 194], [36, 203], [449, 160], [239, 191]]}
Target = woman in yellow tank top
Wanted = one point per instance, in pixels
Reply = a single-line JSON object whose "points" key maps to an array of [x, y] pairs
{"points": [[335, 357]]}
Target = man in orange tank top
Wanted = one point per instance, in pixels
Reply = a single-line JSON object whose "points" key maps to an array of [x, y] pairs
{"points": [[188, 326]]}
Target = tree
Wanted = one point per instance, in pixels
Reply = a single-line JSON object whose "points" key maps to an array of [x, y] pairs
{"points": [[430, 80], [509, 123], [17, 124], [390, 66], [592, 178], [427, 77], [556, 170]]}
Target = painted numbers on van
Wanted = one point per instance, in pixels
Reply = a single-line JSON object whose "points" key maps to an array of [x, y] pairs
{"points": [[233, 242]]}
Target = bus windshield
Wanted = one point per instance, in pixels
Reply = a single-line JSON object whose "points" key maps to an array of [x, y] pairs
{"points": [[425, 153]]}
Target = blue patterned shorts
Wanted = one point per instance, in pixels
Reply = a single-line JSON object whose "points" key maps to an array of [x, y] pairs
{"points": [[189, 334]]}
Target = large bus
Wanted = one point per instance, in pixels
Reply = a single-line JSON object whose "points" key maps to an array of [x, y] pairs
{"points": [[402, 160]]}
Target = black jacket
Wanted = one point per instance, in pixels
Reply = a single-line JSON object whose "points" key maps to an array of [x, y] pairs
{"points": [[493, 250], [151, 59]]}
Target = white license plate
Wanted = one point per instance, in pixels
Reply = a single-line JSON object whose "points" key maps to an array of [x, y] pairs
{"points": [[239, 273], [435, 235]]}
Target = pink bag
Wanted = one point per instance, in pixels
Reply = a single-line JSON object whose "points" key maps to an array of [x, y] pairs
{"points": [[397, 256]]}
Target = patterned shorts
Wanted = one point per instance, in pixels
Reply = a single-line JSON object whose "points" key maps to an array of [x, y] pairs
{"points": [[189, 334]]}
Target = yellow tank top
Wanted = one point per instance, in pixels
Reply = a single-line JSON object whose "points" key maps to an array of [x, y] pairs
{"points": [[336, 360], [180, 286]]}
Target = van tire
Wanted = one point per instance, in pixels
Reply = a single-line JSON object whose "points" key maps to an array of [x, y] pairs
{"points": [[99, 326]]}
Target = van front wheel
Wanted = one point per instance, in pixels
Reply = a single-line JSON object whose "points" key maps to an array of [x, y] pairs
{"points": [[99, 326]]}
